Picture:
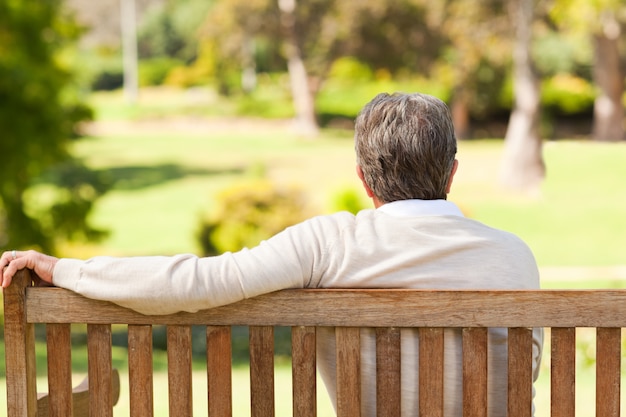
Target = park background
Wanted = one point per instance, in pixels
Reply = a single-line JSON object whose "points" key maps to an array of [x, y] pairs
{"points": [[198, 136]]}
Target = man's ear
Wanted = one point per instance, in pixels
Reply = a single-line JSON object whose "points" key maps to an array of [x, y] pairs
{"points": [[368, 190], [455, 165]]}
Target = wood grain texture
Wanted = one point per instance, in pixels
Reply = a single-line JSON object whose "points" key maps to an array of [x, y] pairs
{"points": [[475, 371], [431, 371], [262, 371], [219, 378], [520, 369], [179, 371], [348, 371], [361, 308], [563, 372], [388, 310], [100, 368], [140, 373], [303, 369], [608, 362], [80, 397], [59, 349], [388, 389], [19, 338]]}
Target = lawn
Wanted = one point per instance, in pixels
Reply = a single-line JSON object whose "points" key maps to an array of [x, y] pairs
{"points": [[166, 174]]}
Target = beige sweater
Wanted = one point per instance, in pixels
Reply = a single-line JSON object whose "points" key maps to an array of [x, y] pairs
{"points": [[408, 244]]}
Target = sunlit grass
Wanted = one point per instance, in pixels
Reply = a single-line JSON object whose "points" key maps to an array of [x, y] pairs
{"points": [[166, 178]]}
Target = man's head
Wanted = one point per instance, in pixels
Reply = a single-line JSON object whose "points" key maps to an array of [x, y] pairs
{"points": [[405, 147]]}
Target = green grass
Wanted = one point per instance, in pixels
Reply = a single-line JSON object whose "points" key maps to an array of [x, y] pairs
{"points": [[578, 218], [165, 177]]}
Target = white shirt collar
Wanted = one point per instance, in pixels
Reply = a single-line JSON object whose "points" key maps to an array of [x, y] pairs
{"points": [[413, 208]]}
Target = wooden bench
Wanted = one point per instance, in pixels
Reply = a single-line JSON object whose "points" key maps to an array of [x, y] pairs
{"points": [[304, 310]]}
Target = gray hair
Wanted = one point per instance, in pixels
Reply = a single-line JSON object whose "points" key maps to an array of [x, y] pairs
{"points": [[406, 146]]}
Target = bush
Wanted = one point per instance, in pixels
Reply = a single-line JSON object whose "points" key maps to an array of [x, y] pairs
{"points": [[249, 213], [155, 70], [349, 200], [108, 81], [350, 69], [567, 94]]}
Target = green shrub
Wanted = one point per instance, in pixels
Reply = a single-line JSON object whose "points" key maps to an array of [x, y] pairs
{"points": [[350, 69], [349, 200], [155, 70], [567, 94], [249, 213]]}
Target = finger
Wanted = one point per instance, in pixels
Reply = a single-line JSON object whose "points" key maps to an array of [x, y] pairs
{"points": [[5, 261], [11, 269], [6, 258], [42, 265]]}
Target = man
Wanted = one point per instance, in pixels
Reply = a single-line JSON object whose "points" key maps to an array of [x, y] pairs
{"points": [[414, 238]]}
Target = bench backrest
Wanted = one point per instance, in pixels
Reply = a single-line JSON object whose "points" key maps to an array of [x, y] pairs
{"points": [[303, 310]]}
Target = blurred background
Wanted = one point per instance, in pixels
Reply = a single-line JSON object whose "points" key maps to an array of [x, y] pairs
{"points": [[164, 126], [140, 127]]}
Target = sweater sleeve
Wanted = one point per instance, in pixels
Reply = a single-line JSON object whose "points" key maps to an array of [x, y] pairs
{"points": [[164, 285]]}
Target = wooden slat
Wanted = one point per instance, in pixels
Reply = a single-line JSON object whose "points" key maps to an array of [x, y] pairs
{"points": [[520, 369], [431, 372], [80, 397], [19, 339], [475, 372], [219, 376], [140, 373], [608, 361], [303, 366], [100, 367], [262, 371], [179, 371], [563, 368], [388, 372], [560, 309], [59, 349], [362, 308], [348, 371]]}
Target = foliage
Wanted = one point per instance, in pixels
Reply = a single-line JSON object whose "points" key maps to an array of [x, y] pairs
{"points": [[559, 52], [567, 94], [169, 29], [349, 200], [343, 96], [199, 72], [249, 213], [39, 113], [350, 69], [326, 30], [155, 71], [584, 186]]}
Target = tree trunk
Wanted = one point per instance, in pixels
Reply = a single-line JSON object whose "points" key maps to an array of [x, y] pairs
{"points": [[460, 113], [248, 74], [303, 97], [608, 110], [522, 163], [129, 48]]}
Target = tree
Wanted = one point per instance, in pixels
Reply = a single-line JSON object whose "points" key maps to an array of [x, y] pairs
{"points": [[599, 21], [476, 54], [311, 35], [303, 97], [522, 164], [608, 112], [38, 119]]}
